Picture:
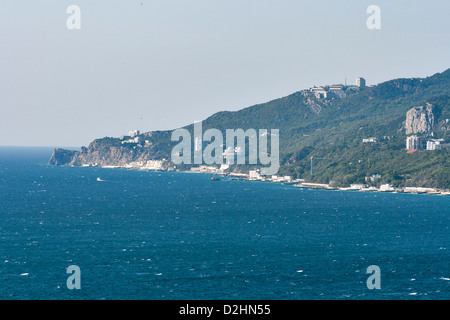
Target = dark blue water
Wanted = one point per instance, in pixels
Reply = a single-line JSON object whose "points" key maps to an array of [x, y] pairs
{"points": [[150, 235]]}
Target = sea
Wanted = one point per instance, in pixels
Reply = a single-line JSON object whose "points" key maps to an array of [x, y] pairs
{"points": [[176, 235]]}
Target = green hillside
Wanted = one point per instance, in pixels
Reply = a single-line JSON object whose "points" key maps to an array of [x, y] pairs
{"points": [[336, 133], [334, 128]]}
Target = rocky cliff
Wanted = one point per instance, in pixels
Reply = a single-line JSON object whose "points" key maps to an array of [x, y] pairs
{"points": [[116, 151], [420, 119], [62, 157]]}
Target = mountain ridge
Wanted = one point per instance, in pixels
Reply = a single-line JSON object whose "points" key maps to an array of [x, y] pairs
{"points": [[324, 122]]}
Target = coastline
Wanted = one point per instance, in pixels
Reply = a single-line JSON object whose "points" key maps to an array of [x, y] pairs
{"points": [[298, 183]]}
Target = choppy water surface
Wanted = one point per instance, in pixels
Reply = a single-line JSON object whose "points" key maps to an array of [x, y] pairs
{"points": [[159, 235]]}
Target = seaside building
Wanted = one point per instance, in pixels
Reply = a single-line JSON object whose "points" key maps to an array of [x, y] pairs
{"points": [[254, 175], [154, 165], [357, 186], [204, 169], [386, 187], [276, 178], [413, 143], [134, 165], [419, 189]]}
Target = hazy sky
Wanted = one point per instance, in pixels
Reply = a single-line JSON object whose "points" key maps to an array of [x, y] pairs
{"points": [[153, 65]]}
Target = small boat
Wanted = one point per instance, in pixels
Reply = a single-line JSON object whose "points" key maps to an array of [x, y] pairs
{"points": [[215, 179], [98, 179]]}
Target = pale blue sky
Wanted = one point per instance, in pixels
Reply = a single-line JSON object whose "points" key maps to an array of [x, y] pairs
{"points": [[167, 63]]}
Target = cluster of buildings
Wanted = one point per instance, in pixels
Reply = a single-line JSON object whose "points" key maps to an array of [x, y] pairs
{"points": [[210, 169], [362, 187], [383, 188], [229, 154], [158, 165], [255, 176], [133, 140], [154, 164], [436, 144], [335, 90], [132, 137], [414, 143]]}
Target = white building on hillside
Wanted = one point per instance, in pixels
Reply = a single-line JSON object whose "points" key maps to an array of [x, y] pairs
{"points": [[360, 82], [413, 143], [370, 140], [434, 144], [134, 133], [357, 186]]}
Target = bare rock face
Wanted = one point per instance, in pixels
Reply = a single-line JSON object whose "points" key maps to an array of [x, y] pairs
{"points": [[420, 119], [62, 157], [109, 151]]}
